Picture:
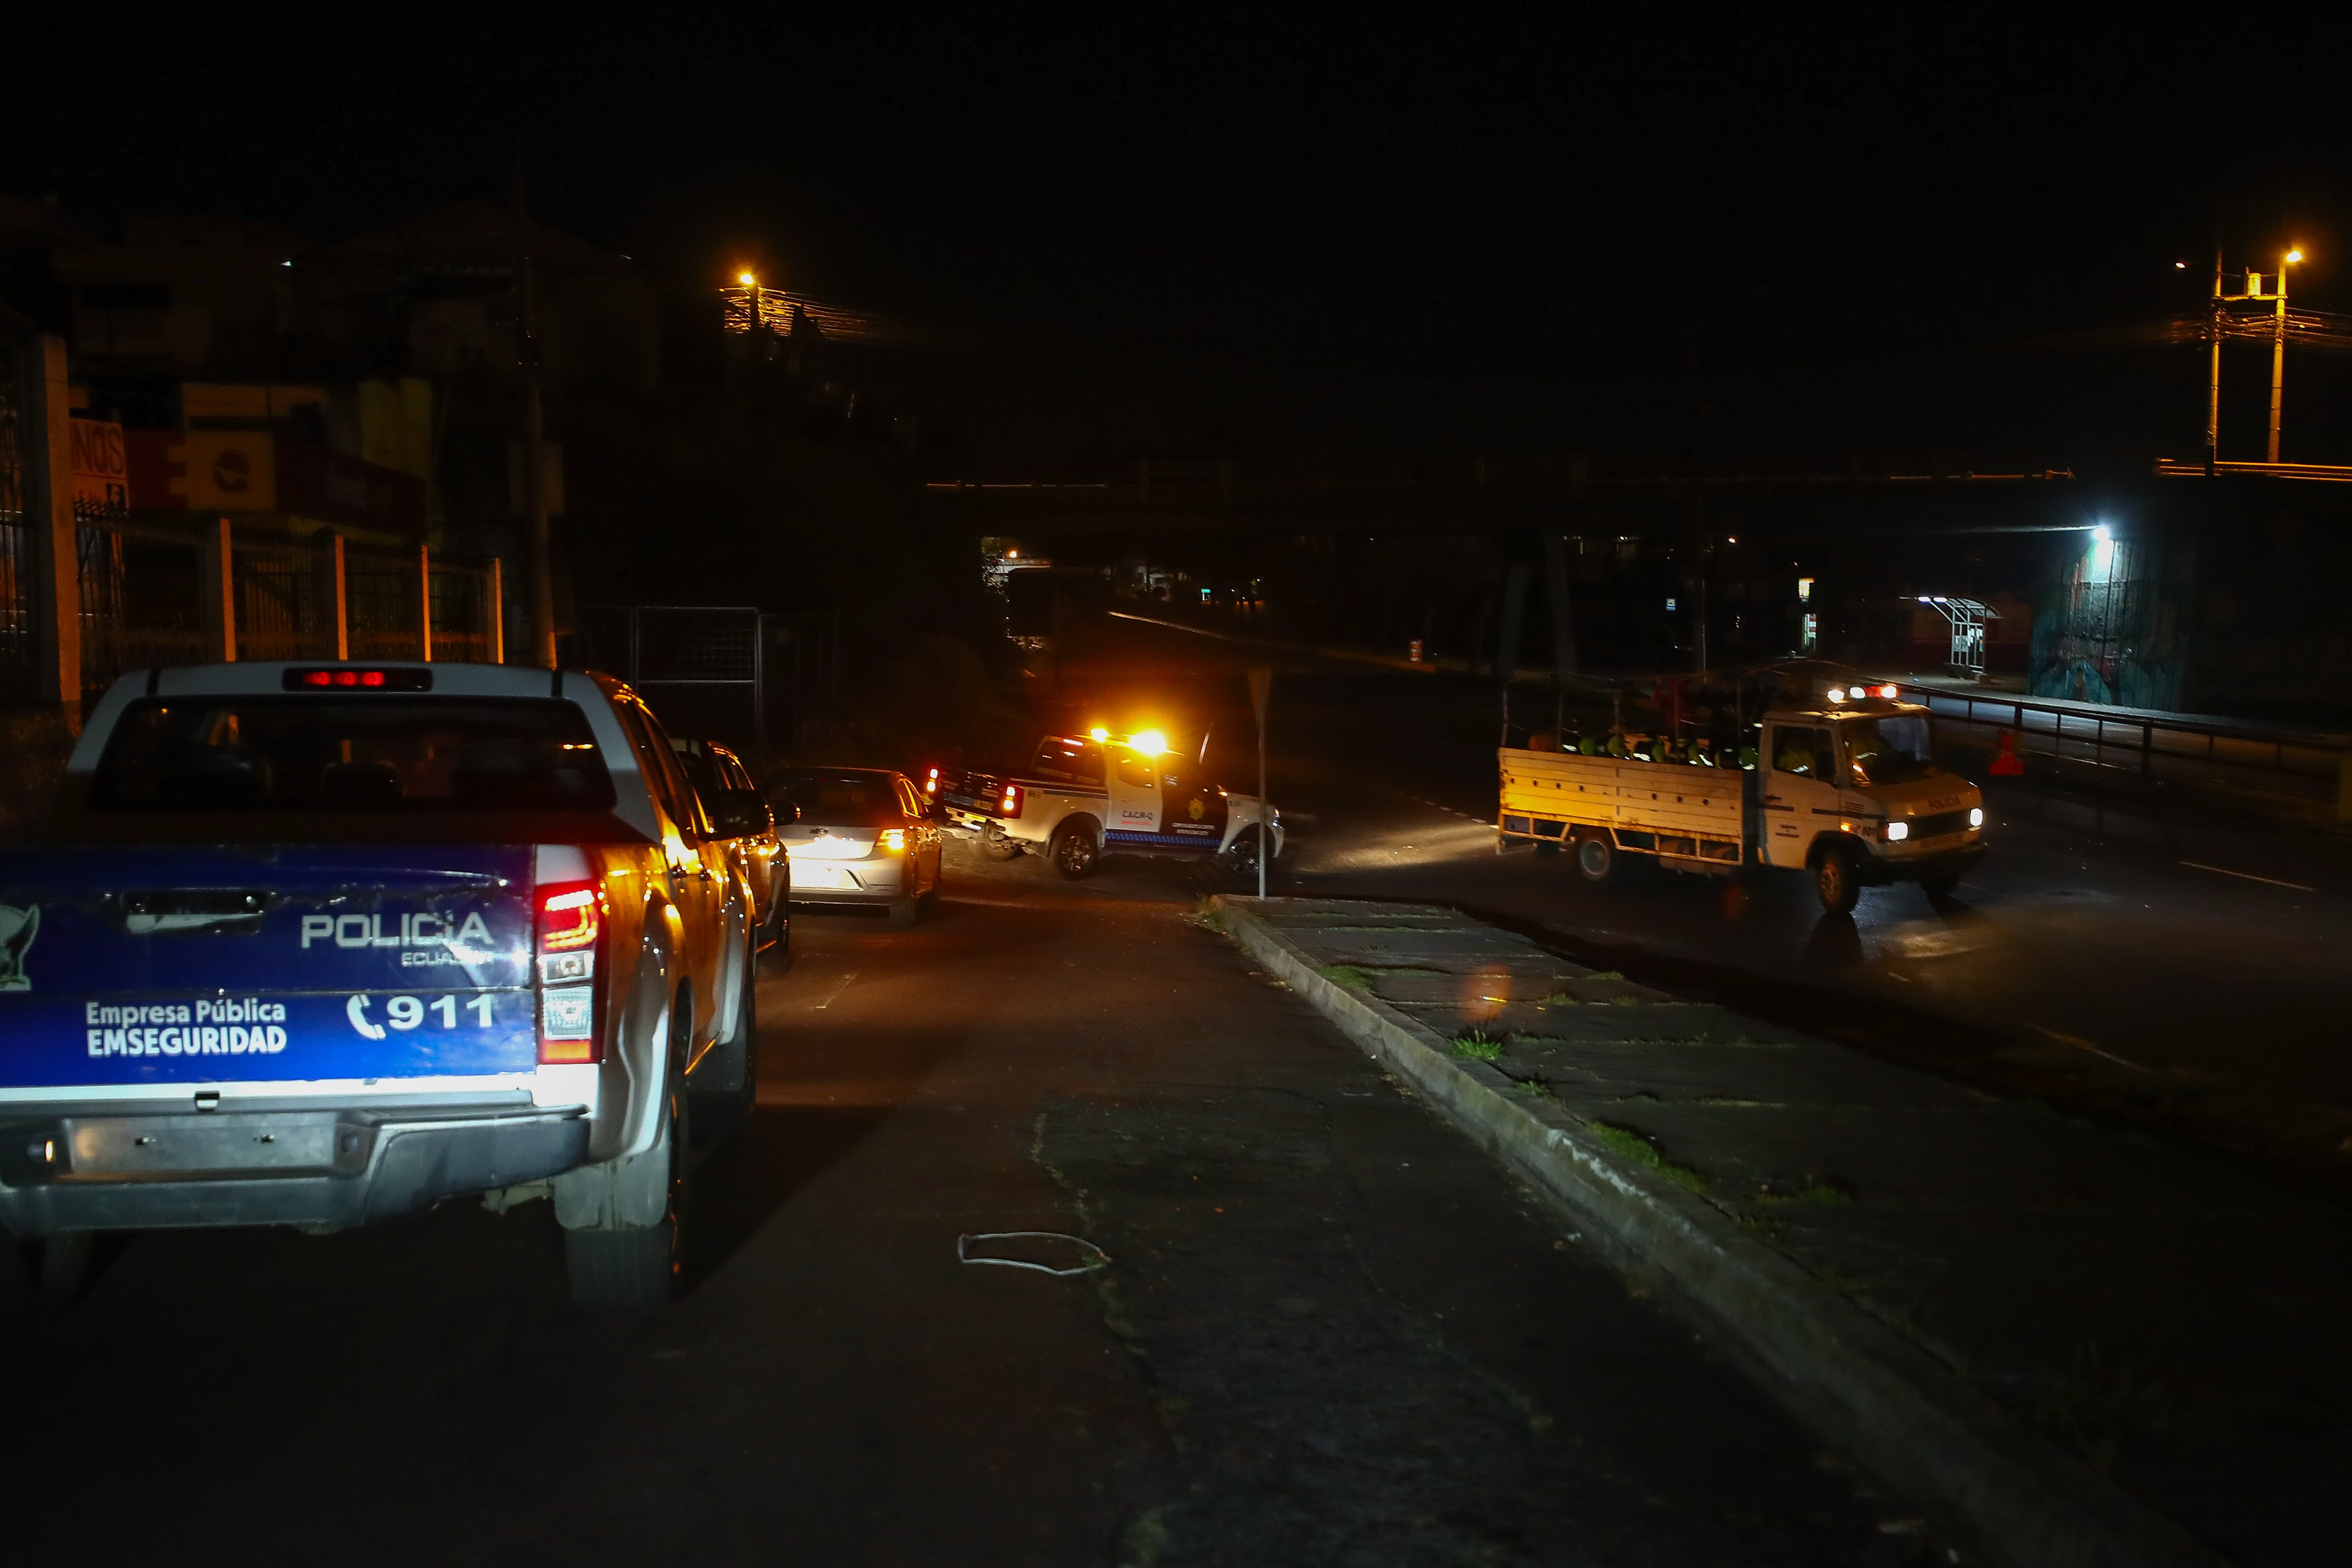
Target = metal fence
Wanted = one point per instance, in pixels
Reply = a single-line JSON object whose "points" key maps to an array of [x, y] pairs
{"points": [[381, 593], [283, 609], [466, 614], [726, 673], [19, 638], [143, 590], [141, 597], [2301, 772]]}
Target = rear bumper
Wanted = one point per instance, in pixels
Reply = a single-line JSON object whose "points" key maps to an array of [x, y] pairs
{"points": [[974, 825], [72, 1170], [881, 880]]}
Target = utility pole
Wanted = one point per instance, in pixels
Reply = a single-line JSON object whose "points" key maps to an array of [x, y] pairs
{"points": [[2213, 386], [2223, 325], [534, 451], [2278, 357]]}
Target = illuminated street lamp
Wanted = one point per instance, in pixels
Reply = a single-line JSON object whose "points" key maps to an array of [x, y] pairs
{"points": [[2278, 349]]}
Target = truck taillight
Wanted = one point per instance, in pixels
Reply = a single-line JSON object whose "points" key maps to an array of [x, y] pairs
{"points": [[571, 928], [1010, 805], [931, 784]]}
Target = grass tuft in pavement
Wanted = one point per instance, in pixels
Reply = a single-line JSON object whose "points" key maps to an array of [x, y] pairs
{"points": [[1347, 974], [1818, 1191], [2097, 1405], [1478, 1047], [1634, 1149]]}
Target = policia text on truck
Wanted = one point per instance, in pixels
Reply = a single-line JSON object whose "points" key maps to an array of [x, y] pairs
{"points": [[1844, 791]]}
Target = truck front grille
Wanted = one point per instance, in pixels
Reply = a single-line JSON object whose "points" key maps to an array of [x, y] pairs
{"points": [[1940, 824]]}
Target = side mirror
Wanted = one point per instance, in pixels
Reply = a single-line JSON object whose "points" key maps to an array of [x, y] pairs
{"points": [[740, 813]]}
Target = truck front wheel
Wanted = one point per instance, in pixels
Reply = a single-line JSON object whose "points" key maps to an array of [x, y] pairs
{"points": [[1837, 881], [1596, 859], [1241, 857], [1074, 851]]}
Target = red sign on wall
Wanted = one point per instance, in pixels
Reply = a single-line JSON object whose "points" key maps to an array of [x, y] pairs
{"points": [[101, 471], [260, 471]]}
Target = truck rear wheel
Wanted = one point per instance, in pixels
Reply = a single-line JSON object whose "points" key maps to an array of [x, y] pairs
{"points": [[616, 1269], [63, 1268], [1000, 850], [730, 1070], [1837, 881], [1596, 857], [1074, 852]]}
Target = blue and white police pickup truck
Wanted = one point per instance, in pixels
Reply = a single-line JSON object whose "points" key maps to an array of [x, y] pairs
{"points": [[1081, 794], [321, 944]]}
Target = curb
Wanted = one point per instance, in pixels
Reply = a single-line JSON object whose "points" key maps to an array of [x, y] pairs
{"points": [[1913, 1424]]}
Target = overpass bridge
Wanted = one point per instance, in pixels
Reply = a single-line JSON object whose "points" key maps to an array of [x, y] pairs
{"points": [[1569, 494]]}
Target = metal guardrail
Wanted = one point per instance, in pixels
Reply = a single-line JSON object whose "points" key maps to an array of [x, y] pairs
{"points": [[2302, 772]]}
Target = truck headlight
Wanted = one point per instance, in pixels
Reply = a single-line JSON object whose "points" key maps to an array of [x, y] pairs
{"points": [[1975, 816], [1897, 832]]}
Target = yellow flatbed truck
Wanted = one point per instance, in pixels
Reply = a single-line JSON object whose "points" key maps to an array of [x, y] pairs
{"points": [[1845, 792]]}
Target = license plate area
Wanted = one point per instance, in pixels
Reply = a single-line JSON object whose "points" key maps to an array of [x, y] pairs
{"points": [[206, 1146]]}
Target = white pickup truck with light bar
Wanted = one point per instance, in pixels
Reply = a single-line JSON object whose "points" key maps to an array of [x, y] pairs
{"points": [[1083, 794], [1846, 792], [322, 944]]}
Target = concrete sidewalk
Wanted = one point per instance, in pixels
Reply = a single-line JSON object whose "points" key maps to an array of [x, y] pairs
{"points": [[2103, 1336]]}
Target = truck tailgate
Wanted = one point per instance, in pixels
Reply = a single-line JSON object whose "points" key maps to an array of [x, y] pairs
{"points": [[131, 967]]}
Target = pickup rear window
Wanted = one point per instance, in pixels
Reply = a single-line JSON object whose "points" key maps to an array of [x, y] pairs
{"points": [[302, 753]]}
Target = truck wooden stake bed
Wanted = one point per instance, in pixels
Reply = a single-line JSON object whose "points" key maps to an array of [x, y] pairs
{"points": [[1845, 792]]}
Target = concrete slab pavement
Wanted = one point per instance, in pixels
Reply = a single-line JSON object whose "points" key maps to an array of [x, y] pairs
{"points": [[2166, 1319]]}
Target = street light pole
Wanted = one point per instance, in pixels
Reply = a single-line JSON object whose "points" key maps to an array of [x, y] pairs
{"points": [[2278, 350]]}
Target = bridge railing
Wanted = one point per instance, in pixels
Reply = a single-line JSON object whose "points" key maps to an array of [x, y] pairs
{"points": [[1196, 479], [2304, 774]]}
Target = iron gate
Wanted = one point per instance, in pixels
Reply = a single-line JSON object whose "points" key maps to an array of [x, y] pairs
{"points": [[700, 667], [725, 673]]}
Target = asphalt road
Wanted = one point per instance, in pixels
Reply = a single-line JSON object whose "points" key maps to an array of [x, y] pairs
{"points": [[2170, 952], [1332, 1331]]}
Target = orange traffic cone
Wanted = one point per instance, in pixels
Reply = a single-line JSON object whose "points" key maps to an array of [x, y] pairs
{"points": [[2006, 762]]}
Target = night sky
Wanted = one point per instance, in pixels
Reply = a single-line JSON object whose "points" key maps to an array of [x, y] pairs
{"points": [[1194, 231]]}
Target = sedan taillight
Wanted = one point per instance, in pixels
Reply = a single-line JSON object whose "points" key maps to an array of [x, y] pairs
{"points": [[570, 930]]}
